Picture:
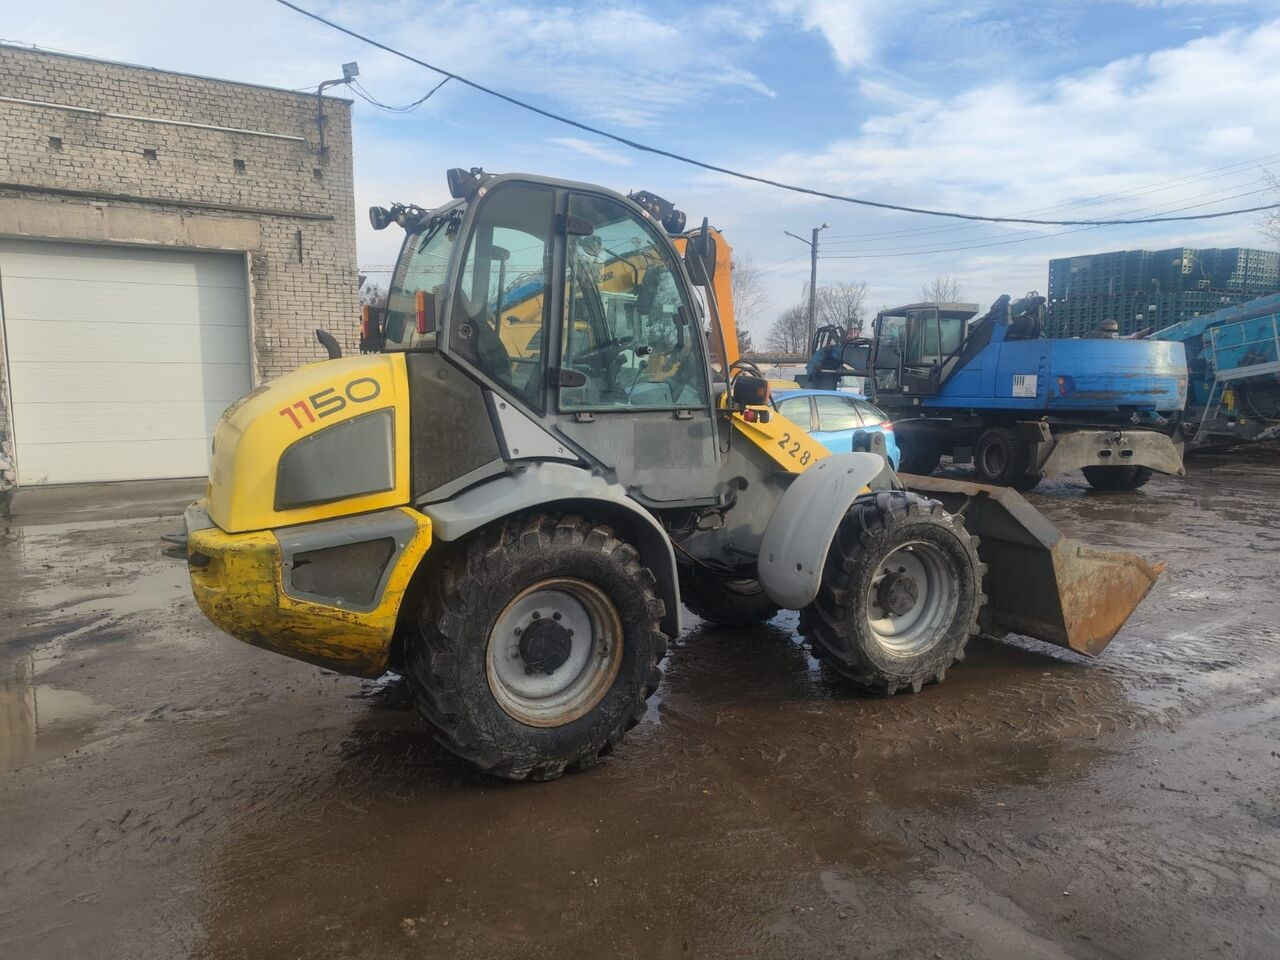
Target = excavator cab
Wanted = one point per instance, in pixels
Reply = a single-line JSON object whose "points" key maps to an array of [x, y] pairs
{"points": [[913, 344], [511, 501]]}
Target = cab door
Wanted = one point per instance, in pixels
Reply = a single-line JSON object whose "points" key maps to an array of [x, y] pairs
{"points": [[631, 379]]}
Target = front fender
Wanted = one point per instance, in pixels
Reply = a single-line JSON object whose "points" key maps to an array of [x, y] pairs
{"points": [[794, 549], [562, 486]]}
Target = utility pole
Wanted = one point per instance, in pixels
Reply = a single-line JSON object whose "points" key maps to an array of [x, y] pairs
{"points": [[811, 325]]}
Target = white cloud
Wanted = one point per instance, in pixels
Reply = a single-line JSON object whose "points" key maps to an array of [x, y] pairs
{"points": [[851, 27], [1137, 126], [615, 64], [1002, 143], [1002, 147], [591, 149]]}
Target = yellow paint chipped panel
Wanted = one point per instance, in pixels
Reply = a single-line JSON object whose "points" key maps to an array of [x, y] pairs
{"points": [[241, 590]]}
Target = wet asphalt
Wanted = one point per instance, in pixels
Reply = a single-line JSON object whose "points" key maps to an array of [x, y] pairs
{"points": [[166, 791]]}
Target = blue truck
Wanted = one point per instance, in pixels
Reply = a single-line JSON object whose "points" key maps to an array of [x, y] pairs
{"points": [[1233, 361], [997, 393]]}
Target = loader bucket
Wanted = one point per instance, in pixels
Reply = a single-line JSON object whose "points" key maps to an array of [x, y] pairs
{"points": [[1040, 583]]}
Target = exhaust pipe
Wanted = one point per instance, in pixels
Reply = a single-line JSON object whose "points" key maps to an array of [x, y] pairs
{"points": [[1040, 583]]}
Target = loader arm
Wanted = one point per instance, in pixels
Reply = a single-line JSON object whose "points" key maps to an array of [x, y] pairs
{"points": [[724, 330]]}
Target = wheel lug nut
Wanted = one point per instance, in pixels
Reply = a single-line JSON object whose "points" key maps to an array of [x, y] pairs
{"points": [[556, 615], [536, 615]]}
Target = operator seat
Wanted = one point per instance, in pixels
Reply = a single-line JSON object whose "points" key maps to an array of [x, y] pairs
{"points": [[483, 346], [491, 353]]}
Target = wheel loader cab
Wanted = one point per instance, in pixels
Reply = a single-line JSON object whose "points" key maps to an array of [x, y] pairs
{"points": [[571, 303]]}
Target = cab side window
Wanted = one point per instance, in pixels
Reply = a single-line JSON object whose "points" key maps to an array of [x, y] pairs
{"points": [[500, 308], [628, 328]]}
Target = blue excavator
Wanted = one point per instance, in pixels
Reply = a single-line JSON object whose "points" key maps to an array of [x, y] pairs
{"points": [[1017, 405]]}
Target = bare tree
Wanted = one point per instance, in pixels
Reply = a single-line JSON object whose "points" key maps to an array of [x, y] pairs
{"points": [[749, 298], [789, 332], [943, 288], [373, 295], [843, 304]]}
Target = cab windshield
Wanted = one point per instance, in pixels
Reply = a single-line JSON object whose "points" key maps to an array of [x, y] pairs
{"points": [[629, 329], [423, 268]]}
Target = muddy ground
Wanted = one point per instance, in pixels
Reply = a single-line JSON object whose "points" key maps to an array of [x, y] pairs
{"points": [[166, 791]]}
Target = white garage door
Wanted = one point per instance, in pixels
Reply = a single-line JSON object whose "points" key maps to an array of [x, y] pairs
{"points": [[120, 359]]}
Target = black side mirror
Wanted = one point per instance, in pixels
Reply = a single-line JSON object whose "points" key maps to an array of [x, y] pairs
{"points": [[750, 391], [700, 256], [463, 183]]}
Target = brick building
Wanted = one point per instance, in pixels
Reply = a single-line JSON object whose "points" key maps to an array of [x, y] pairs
{"points": [[1154, 288], [167, 242]]}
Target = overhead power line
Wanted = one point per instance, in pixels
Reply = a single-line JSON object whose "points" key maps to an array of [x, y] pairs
{"points": [[901, 252], [368, 97], [969, 243], [1160, 186], [714, 168]]}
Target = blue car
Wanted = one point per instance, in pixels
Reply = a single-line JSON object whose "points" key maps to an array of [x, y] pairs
{"points": [[832, 417]]}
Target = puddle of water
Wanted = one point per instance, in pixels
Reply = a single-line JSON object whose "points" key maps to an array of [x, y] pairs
{"points": [[39, 722]]}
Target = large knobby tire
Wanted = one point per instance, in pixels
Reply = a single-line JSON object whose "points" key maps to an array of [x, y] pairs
{"points": [[919, 453], [1117, 478], [1001, 457], [725, 601], [900, 594], [539, 643]]}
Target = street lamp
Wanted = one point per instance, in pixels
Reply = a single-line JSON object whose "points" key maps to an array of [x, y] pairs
{"points": [[813, 278]]}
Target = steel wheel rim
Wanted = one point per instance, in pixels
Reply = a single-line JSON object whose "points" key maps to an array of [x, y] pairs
{"points": [[534, 684], [935, 577]]}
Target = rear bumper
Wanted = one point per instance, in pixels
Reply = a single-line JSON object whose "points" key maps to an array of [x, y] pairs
{"points": [[328, 593], [1073, 450]]}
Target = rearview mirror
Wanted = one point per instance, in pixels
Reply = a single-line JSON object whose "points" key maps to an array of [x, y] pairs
{"points": [[379, 218], [700, 256]]}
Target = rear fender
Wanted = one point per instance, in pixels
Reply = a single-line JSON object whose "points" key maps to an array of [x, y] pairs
{"points": [[794, 549], [569, 488]]}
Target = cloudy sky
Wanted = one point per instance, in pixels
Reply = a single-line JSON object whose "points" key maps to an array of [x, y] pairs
{"points": [[1068, 108]]}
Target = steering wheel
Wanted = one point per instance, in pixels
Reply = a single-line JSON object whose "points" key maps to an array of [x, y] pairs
{"points": [[599, 355]]}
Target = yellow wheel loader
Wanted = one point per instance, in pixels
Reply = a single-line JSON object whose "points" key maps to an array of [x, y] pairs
{"points": [[549, 447]]}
